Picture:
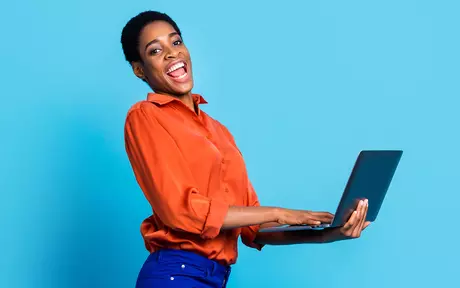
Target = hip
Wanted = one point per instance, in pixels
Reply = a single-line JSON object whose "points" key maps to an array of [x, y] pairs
{"points": [[177, 268]]}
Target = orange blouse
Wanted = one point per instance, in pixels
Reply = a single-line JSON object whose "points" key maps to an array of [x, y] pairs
{"points": [[190, 170]]}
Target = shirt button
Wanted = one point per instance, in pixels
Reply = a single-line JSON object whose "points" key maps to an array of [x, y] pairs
{"points": [[223, 161], [172, 278], [183, 266], [226, 189]]}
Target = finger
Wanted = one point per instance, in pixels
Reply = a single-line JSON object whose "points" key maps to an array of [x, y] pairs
{"points": [[364, 209], [358, 225], [309, 220], [352, 228], [367, 223], [365, 213], [347, 228], [322, 214], [363, 216], [321, 217], [324, 217]]}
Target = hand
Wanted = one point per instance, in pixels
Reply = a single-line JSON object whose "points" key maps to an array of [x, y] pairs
{"points": [[302, 217], [357, 221], [352, 229]]}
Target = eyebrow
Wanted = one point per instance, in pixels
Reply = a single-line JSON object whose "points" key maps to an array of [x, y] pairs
{"points": [[156, 40]]}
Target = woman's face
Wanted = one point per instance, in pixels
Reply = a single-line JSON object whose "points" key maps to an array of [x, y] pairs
{"points": [[166, 63]]}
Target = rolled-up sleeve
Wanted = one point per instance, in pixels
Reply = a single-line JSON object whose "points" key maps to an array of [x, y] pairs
{"points": [[248, 234], [166, 180]]}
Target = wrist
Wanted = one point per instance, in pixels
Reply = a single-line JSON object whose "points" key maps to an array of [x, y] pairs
{"points": [[332, 235], [273, 215]]}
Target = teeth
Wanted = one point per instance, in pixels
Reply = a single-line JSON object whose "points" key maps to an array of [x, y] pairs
{"points": [[175, 67], [182, 76]]}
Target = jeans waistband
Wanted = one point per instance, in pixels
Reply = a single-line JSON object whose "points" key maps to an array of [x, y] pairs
{"points": [[213, 267]]}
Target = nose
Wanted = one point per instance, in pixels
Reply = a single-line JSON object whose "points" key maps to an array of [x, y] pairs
{"points": [[171, 53]]}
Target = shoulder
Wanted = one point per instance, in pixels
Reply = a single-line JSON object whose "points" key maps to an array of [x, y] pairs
{"points": [[221, 127], [216, 123], [143, 108]]}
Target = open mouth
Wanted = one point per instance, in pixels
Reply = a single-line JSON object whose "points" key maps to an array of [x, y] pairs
{"points": [[177, 71]]}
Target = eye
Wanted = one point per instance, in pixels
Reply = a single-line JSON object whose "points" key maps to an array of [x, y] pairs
{"points": [[154, 51], [177, 42]]}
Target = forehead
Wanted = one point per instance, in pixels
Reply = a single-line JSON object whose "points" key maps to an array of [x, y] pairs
{"points": [[155, 30]]}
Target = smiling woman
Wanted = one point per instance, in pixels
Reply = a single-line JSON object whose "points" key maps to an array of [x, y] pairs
{"points": [[193, 174]]}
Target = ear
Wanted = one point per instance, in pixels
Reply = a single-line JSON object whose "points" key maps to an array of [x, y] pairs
{"points": [[138, 70]]}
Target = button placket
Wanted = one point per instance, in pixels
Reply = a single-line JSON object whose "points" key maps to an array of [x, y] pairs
{"points": [[222, 161]]}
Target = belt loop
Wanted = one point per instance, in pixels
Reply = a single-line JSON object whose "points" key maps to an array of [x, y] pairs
{"points": [[213, 268], [158, 252]]}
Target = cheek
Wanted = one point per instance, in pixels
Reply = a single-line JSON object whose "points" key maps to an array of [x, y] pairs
{"points": [[187, 55], [156, 71], [185, 52]]}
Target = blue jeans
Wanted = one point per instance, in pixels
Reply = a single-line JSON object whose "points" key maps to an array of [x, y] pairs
{"points": [[176, 268]]}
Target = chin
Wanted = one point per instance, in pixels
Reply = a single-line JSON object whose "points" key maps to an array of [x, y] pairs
{"points": [[182, 89]]}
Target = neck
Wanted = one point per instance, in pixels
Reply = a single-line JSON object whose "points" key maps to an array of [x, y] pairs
{"points": [[187, 99]]}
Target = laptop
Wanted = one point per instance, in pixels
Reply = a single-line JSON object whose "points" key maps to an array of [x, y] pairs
{"points": [[370, 179]]}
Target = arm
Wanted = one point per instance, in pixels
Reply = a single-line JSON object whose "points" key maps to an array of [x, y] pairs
{"points": [[275, 216], [290, 237], [252, 238], [352, 229], [164, 178], [238, 216], [250, 235], [168, 184]]}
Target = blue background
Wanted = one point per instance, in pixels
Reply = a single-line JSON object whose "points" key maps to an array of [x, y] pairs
{"points": [[302, 85]]}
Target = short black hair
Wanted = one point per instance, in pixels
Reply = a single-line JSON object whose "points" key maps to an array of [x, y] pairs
{"points": [[132, 30]]}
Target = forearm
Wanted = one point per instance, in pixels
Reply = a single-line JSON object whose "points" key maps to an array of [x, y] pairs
{"points": [[290, 237], [238, 216], [300, 237], [333, 235]]}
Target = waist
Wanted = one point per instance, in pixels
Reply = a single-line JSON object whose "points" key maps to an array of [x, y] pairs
{"points": [[222, 249], [190, 258]]}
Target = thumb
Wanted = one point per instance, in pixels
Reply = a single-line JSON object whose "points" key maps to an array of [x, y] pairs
{"points": [[367, 223]]}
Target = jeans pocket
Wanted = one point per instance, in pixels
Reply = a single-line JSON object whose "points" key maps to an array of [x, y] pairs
{"points": [[186, 270], [166, 269]]}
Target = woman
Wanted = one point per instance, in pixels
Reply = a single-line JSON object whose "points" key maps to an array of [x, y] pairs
{"points": [[192, 173]]}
